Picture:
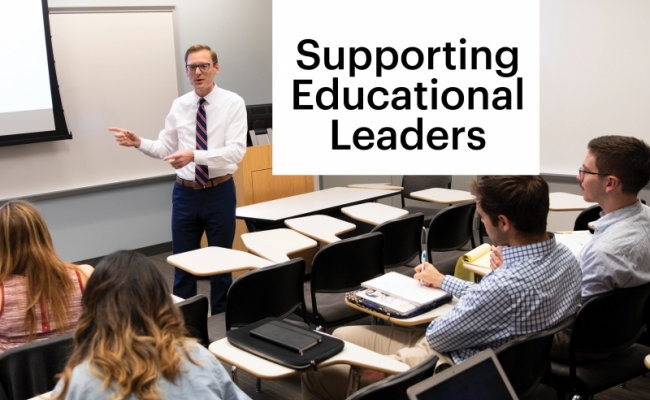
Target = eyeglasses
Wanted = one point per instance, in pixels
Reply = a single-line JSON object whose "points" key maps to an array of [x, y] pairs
{"points": [[191, 68], [582, 172]]}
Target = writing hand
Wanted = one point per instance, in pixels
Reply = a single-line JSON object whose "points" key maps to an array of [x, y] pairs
{"points": [[180, 159], [429, 275], [126, 137], [496, 258]]}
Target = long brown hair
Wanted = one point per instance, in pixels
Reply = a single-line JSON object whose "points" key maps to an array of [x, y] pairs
{"points": [[26, 249], [130, 330]]}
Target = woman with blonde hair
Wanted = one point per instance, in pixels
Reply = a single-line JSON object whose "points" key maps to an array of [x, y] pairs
{"points": [[131, 341], [40, 295]]}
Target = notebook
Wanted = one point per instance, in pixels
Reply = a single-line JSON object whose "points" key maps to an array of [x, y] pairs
{"points": [[404, 288], [574, 240], [479, 256], [286, 335], [479, 377]]}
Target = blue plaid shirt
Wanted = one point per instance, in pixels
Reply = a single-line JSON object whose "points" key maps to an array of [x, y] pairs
{"points": [[537, 286]]}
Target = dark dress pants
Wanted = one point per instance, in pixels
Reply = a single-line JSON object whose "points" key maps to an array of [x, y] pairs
{"points": [[193, 211]]}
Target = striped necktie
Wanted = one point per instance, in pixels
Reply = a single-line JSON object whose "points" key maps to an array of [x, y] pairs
{"points": [[201, 171]]}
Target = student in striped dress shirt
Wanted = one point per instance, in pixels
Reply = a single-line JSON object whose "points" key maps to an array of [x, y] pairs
{"points": [[537, 286]]}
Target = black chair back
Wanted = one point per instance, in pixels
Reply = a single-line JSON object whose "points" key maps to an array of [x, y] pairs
{"points": [[610, 321], [274, 291], [341, 267], [606, 323], [401, 239], [451, 228], [30, 370], [586, 216], [195, 314], [526, 359], [414, 183], [394, 387]]}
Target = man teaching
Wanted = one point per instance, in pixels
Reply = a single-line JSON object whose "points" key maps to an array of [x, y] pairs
{"points": [[204, 139]]}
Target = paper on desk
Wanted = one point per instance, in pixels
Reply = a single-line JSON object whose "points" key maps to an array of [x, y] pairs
{"points": [[574, 240], [402, 287], [479, 256]]}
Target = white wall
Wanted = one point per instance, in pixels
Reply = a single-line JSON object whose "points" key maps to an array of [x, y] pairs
{"points": [[139, 216], [94, 224]]}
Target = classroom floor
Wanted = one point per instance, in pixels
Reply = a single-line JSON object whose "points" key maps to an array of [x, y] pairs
{"points": [[289, 388]]}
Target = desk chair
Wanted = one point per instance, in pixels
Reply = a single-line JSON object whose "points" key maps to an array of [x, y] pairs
{"points": [[401, 239], [195, 315], [586, 216], [28, 370], [338, 268], [451, 229], [274, 291], [414, 183], [607, 323], [526, 360], [394, 387]]}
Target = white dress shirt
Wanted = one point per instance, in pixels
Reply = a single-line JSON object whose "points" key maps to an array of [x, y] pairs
{"points": [[618, 256], [226, 117]]}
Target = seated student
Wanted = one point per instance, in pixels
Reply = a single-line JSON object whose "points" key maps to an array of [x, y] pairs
{"points": [[537, 287], [613, 173], [40, 295], [615, 170], [131, 341]]}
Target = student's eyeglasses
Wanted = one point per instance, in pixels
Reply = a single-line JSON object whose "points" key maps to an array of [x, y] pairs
{"points": [[191, 68], [582, 172]]}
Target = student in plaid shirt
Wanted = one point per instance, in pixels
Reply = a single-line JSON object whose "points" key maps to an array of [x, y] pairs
{"points": [[537, 286]]}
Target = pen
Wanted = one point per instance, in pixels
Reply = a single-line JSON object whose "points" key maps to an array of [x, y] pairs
{"points": [[423, 258]]}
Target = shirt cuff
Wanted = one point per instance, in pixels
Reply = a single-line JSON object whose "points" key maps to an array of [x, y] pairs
{"points": [[145, 145], [201, 157], [453, 285]]}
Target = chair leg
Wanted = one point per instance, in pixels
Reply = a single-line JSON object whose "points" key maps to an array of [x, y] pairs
{"points": [[233, 375], [258, 385]]}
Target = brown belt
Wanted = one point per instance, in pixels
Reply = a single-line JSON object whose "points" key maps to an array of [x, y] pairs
{"points": [[197, 186]]}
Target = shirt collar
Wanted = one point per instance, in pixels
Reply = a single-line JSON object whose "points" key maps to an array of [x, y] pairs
{"points": [[512, 254], [209, 98], [611, 218]]}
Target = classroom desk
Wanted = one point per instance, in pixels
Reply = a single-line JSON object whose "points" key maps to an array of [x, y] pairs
{"points": [[386, 186], [443, 196], [373, 213], [351, 355], [477, 269], [413, 321], [320, 227], [177, 299], [261, 216], [560, 201], [216, 260], [573, 240], [275, 244], [44, 396]]}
